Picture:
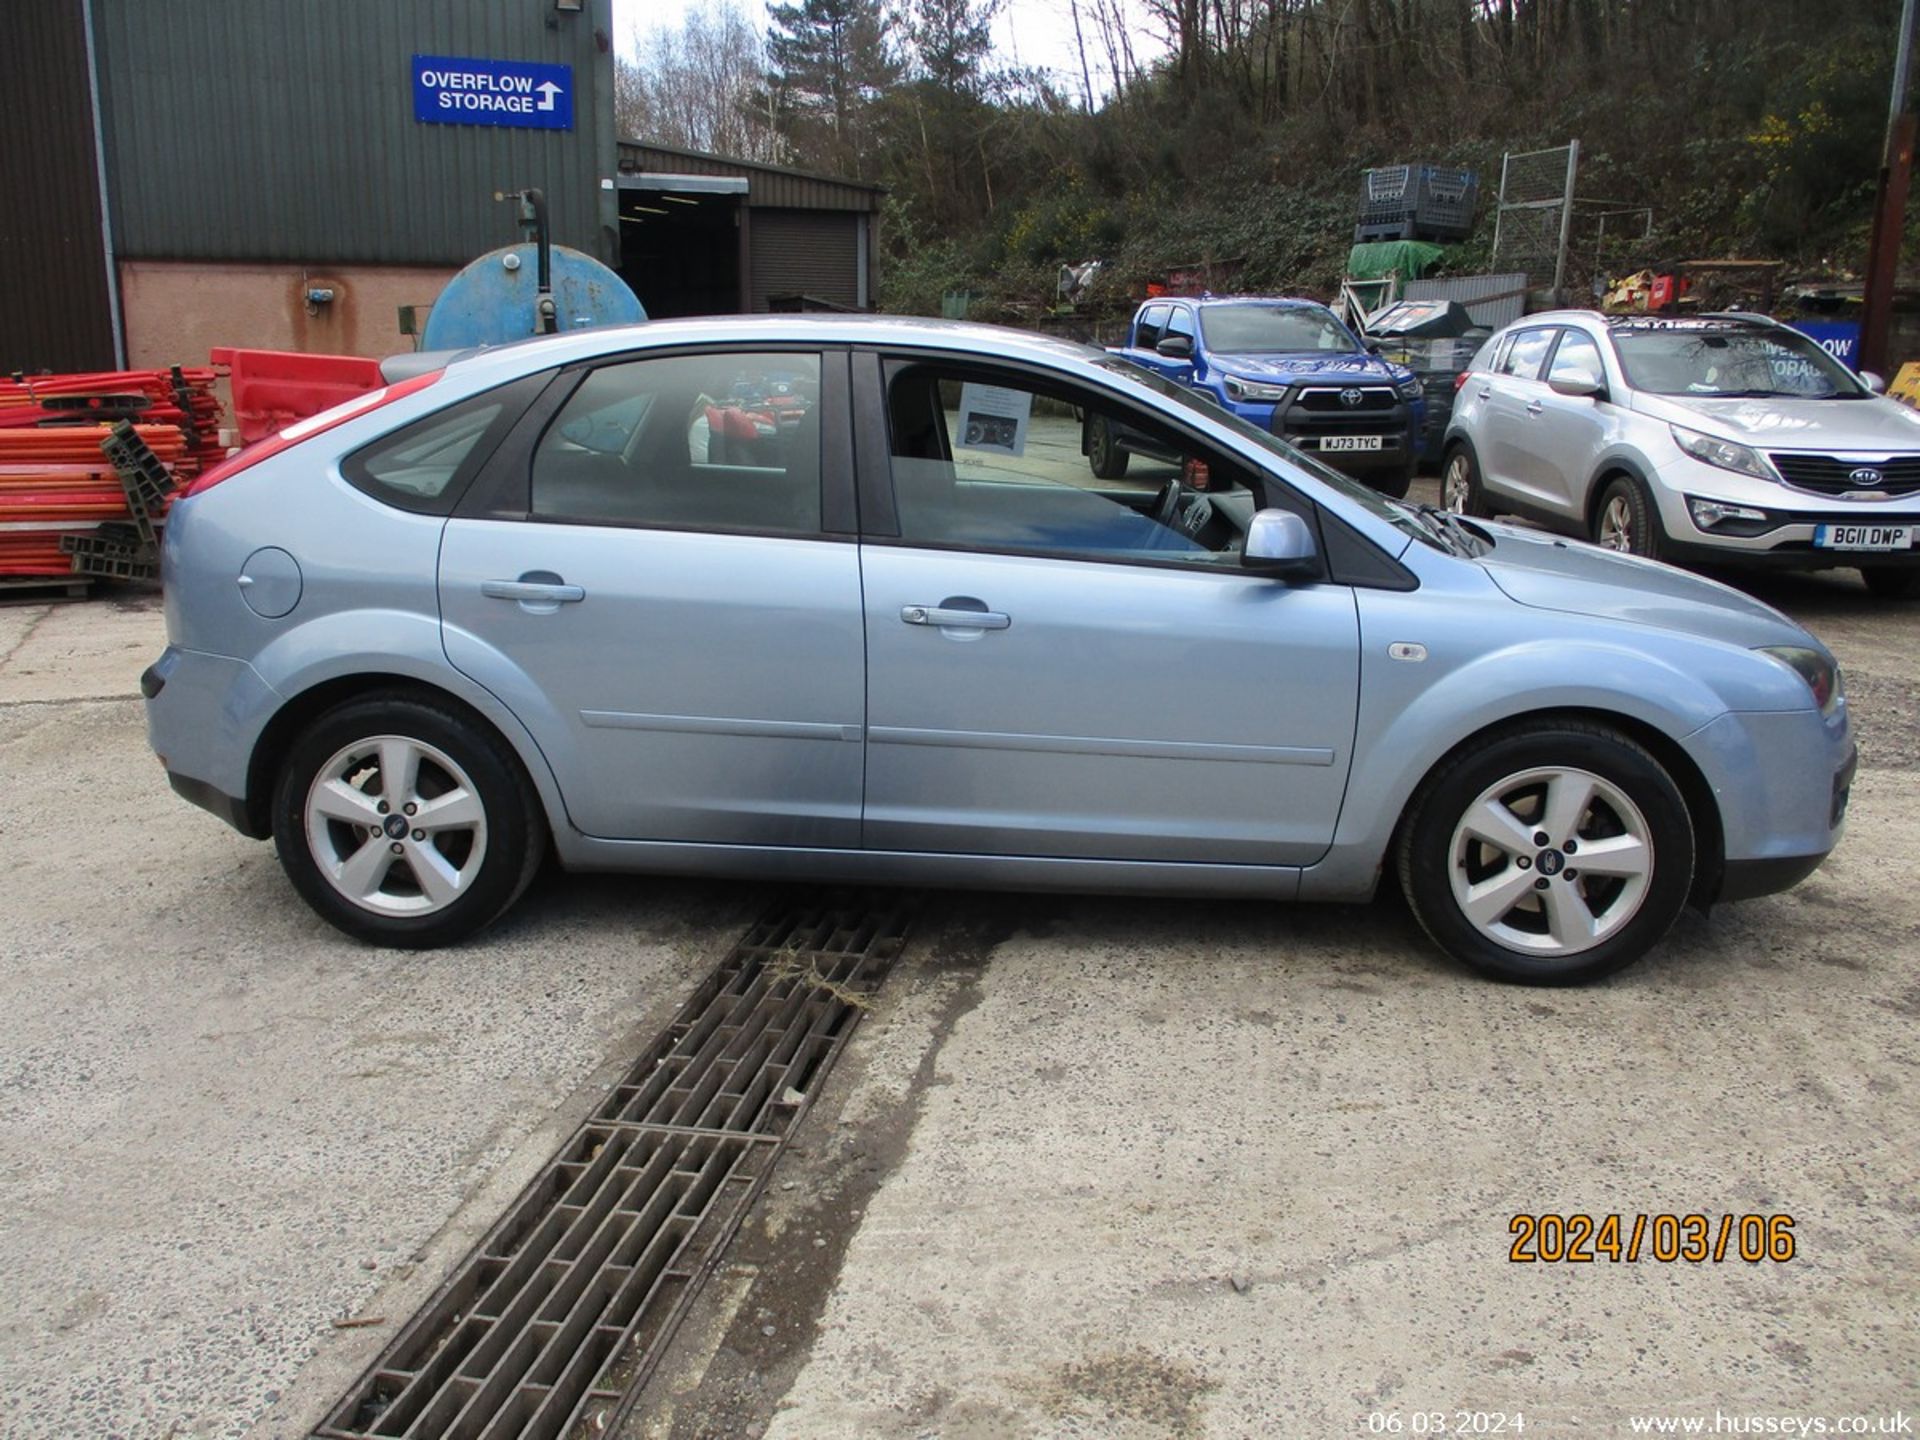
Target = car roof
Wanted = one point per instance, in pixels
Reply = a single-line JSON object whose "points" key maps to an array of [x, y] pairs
{"points": [[566, 348], [1719, 323]]}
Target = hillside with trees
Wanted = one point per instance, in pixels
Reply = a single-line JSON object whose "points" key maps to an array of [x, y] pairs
{"points": [[1750, 127]]}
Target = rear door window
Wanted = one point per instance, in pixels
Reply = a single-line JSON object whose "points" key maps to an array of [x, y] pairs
{"points": [[1527, 353], [1147, 330], [726, 442]]}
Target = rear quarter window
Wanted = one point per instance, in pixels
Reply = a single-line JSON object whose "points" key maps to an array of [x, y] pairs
{"points": [[426, 466]]}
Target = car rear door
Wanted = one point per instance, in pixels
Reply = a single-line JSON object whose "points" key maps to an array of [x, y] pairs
{"points": [[1510, 396], [1052, 671], [657, 573]]}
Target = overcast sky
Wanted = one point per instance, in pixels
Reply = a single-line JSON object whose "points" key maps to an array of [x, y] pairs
{"points": [[1036, 34]]}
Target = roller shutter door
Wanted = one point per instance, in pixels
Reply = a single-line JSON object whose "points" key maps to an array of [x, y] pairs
{"points": [[806, 252]]}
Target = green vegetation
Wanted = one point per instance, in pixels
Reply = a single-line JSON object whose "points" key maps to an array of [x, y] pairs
{"points": [[1748, 127]]}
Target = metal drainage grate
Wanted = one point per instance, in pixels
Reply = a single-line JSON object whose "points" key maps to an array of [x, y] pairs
{"points": [[551, 1326]]}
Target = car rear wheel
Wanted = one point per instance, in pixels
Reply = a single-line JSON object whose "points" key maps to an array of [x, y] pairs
{"points": [[1460, 489], [1105, 453], [1554, 853], [1886, 582], [405, 823], [1625, 519]]}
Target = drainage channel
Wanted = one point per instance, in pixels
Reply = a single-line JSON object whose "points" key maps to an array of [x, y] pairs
{"points": [[552, 1325]]}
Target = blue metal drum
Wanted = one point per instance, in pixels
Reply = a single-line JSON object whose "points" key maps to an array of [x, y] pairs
{"points": [[492, 301]]}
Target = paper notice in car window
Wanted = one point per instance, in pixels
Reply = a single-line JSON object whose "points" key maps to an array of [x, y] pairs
{"points": [[994, 418]]}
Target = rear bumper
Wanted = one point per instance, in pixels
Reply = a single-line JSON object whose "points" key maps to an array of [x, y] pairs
{"points": [[230, 808], [205, 714]]}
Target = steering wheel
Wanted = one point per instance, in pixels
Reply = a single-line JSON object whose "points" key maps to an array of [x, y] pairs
{"points": [[1168, 504]]}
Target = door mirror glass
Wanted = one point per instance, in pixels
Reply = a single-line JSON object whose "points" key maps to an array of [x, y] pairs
{"points": [[1578, 387], [1176, 347], [1280, 543]]}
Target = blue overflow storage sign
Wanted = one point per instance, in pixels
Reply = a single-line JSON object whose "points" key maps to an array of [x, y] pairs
{"points": [[451, 90], [1839, 338]]}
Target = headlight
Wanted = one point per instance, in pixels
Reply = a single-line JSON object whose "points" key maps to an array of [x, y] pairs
{"points": [[1722, 453], [1709, 513], [1239, 389], [1409, 388], [1820, 673]]}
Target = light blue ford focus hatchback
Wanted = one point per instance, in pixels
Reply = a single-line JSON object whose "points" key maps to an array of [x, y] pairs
{"points": [[839, 599]]}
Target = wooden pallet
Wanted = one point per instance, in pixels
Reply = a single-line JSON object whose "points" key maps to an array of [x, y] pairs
{"points": [[28, 589]]}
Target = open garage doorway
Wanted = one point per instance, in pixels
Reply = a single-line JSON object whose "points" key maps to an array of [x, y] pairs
{"points": [[681, 243]]}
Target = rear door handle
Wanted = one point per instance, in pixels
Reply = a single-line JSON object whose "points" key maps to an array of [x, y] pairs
{"points": [[940, 615], [537, 592], [1485, 394], [1534, 407]]}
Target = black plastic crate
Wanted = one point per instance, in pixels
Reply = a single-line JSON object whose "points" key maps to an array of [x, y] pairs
{"points": [[1416, 202]]}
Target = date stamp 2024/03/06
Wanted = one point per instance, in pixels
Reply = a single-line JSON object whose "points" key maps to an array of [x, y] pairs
{"points": [[1581, 1239]]}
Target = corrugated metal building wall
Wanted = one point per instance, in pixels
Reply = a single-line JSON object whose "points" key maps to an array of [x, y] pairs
{"points": [[56, 307], [283, 130]]}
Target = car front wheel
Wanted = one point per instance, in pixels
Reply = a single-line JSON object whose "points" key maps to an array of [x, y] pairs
{"points": [[1553, 853], [404, 822], [1625, 519], [1105, 454]]}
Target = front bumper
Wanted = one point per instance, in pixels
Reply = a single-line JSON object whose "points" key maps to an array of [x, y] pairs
{"points": [[1397, 426], [1781, 781], [1785, 539]]}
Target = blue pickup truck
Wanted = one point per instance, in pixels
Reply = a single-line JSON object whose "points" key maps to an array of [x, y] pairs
{"points": [[1288, 366]]}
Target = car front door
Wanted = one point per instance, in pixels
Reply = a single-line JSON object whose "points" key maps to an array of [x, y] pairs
{"points": [[657, 573], [1568, 431], [1062, 668]]}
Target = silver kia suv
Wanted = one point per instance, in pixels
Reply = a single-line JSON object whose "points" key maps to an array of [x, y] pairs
{"points": [[1716, 439]]}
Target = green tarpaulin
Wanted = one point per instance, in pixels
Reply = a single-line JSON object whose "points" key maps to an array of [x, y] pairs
{"points": [[1410, 258]]}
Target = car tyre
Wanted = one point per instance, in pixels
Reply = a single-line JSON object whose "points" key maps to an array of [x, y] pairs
{"points": [[1468, 846], [1460, 487], [1105, 454], [1888, 582], [1625, 519], [393, 875]]}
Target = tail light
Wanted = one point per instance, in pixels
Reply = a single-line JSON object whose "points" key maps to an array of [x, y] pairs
{"points": [[306, 429], [1460, 380]]}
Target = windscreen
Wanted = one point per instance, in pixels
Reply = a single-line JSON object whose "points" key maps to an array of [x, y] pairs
{"points": [[1732, 363], [1254, 328]]}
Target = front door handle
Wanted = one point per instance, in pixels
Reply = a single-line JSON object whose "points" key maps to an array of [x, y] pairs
{"points": [[942, 615], [1534, 407], [535, 592], [1485, 394]]}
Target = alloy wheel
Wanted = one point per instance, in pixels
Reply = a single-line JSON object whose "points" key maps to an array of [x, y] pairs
{"points": [[1616, 525], [1456, 489], [1551, 862], [396, 826]]}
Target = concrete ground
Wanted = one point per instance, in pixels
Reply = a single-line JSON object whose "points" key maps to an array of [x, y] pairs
{"points": [[1089, 1168]]}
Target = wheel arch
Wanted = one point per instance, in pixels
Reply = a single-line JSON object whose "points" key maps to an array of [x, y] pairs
{"points": [[302, 708], [1703, 810]]}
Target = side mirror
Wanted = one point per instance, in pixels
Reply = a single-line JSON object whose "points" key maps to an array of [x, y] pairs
{"points": [[1874, 381], [1373, 347], [1281, 544], [1590, 389], [1176, 347]]}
